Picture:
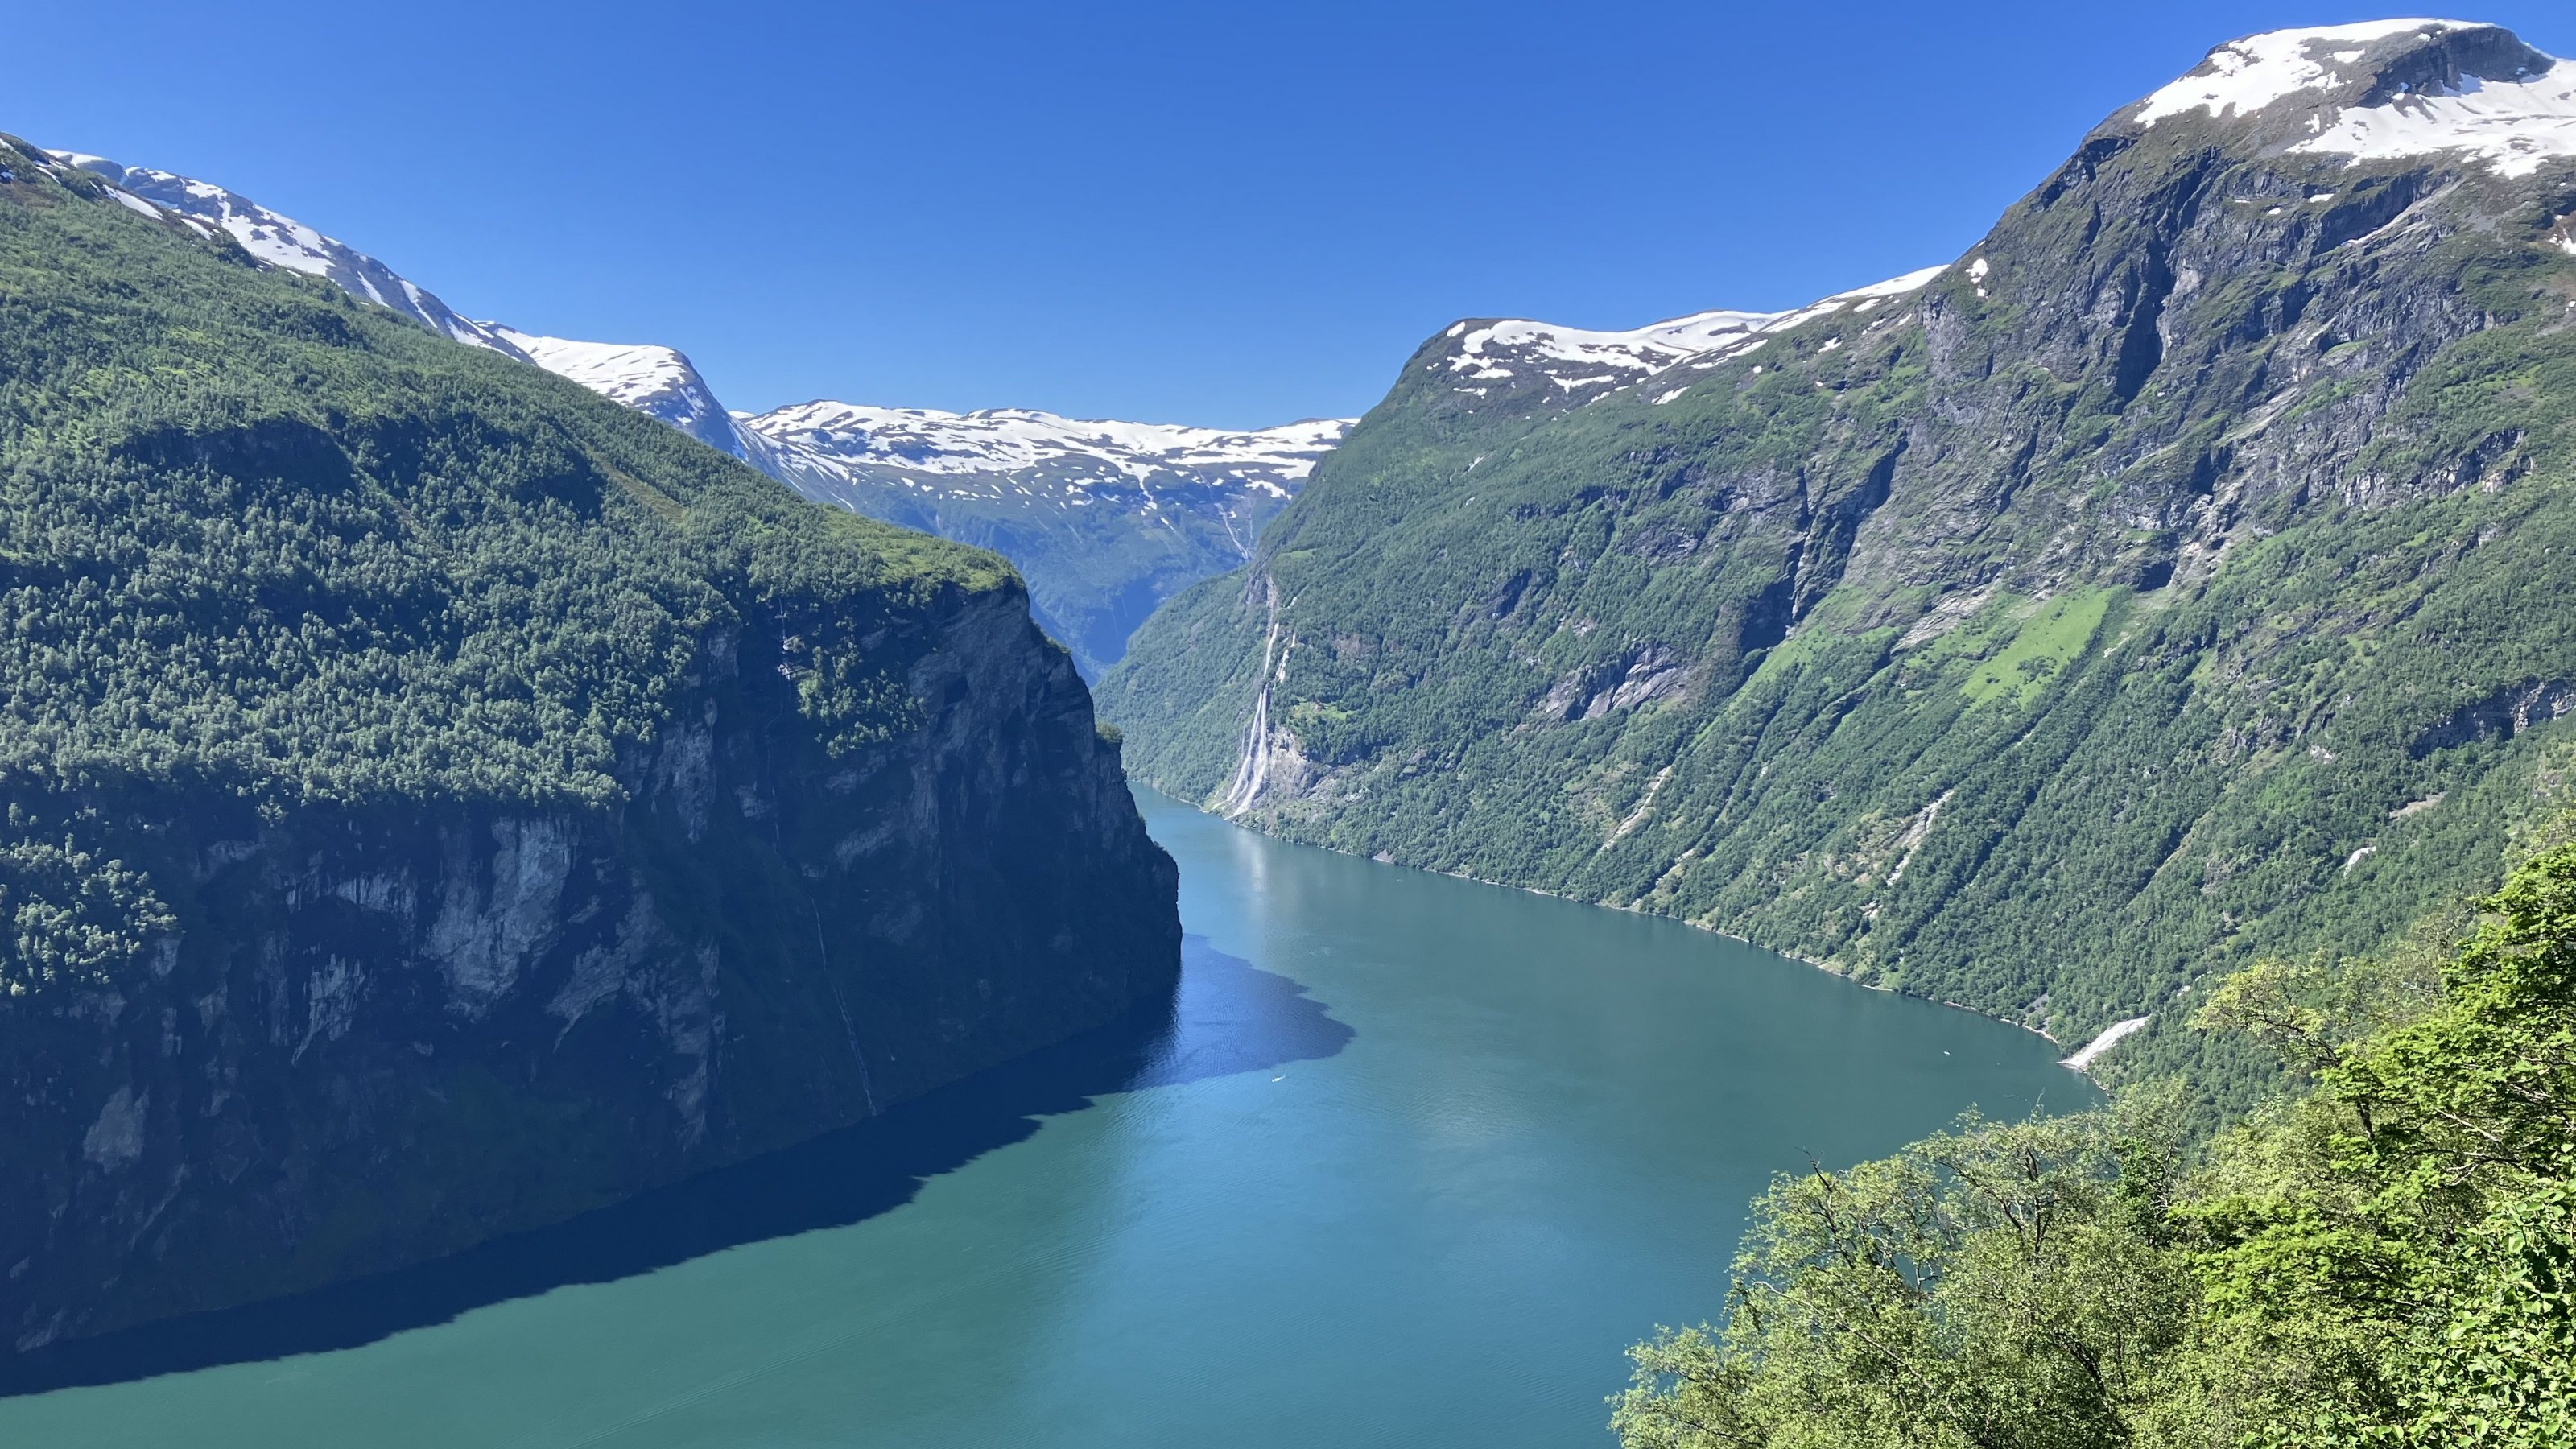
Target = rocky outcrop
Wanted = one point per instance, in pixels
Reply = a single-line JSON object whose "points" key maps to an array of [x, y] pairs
{"points": [[373, 1034]]}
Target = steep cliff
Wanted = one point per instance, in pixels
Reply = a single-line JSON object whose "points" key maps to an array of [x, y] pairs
{"points": [[439, 801], [2176, 577]]}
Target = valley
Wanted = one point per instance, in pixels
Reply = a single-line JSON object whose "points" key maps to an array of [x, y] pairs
{"points": [[537, 908], [1393, 1119]]}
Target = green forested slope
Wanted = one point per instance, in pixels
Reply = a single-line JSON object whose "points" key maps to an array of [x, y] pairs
{"points": [[259, 537], [2176, 578], [435, 801]]}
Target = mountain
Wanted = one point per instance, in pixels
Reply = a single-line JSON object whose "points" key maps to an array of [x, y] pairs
{"points": [[2174, 579], [1107, 519], [435, 801], [1104, 519], [659, 382], [281, 241], [1518, 365]]}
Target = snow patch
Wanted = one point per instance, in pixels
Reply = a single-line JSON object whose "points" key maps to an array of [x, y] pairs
{"points": [[2510, 123], [925, 440], [1648, 349], [2244, 76], [1573, 357], [2511, 126], [657, 381], [1913, 281]]}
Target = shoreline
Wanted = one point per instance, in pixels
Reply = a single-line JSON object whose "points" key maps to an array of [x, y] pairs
{"points": [[2080, 1061]]}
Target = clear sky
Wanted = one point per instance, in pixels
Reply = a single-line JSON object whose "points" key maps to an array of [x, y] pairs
{"points": [[1228, 214]]}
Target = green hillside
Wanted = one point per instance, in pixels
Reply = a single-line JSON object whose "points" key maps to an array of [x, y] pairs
{"points": [[259, 537], [2176, 578], [435, 801]]}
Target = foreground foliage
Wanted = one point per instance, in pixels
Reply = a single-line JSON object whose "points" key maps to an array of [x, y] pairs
{"points": [[2386, 1257]]}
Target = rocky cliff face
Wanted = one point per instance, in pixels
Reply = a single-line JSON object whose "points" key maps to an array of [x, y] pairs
{"points": [[372, 1035], [2169, 580], [435, 801]]}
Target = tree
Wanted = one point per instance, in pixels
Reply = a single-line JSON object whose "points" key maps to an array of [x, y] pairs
{"points": [[2383, 1258], [2004, 1284]]}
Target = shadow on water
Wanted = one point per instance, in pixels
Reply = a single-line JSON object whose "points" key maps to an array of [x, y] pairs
{"points": [[1229, 1017]]}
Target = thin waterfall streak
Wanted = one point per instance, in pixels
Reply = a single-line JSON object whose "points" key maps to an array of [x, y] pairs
{"points": [[823, 954]]}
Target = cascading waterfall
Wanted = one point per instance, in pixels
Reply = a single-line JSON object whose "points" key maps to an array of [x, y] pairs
{"points": [[1253, 770]]}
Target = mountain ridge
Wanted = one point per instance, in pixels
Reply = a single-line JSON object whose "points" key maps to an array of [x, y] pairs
{"points": [[988, 477], [2164, 540], [439, 801]]}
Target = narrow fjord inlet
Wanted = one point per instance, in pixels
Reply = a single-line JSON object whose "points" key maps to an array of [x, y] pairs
{"points": [[1195, 832], [1417, 1160]]}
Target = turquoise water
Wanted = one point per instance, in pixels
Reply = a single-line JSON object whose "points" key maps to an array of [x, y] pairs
{"points": [[1414, 1161]]}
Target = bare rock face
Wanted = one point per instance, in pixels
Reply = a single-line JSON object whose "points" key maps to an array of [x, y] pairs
{"points": [[375, 1035]]}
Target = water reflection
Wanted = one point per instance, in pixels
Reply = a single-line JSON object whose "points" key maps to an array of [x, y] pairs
{"points": [[1228, 1017]]}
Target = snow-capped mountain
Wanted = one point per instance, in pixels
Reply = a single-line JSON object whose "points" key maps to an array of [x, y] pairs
{"points": [[2272, 370], [2383, 91], [1571, 359], [2471, 90], [1019, 443], [657, 381], [282, 241], [1104, 519]]}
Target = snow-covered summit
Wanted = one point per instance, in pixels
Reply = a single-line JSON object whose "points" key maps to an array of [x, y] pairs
{"points": [[1575, 359], [2244, 76], [795, 444], [843, 436], [658, 381], [282, 241], [2385, 90], [1104, 519]]}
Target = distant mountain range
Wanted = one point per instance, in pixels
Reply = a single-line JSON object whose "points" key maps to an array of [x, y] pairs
{"points": [[1104, 519]]}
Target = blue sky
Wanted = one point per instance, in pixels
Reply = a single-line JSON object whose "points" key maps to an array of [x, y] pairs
{"points": [[1223, 214]]}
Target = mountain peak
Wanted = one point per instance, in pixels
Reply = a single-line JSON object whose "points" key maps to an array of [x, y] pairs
{"points": [[2383, 90], [658, 381]]}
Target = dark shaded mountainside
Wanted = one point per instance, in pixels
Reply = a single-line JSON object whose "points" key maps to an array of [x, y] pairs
{"points": [[2181, 576], [438, 801]]}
